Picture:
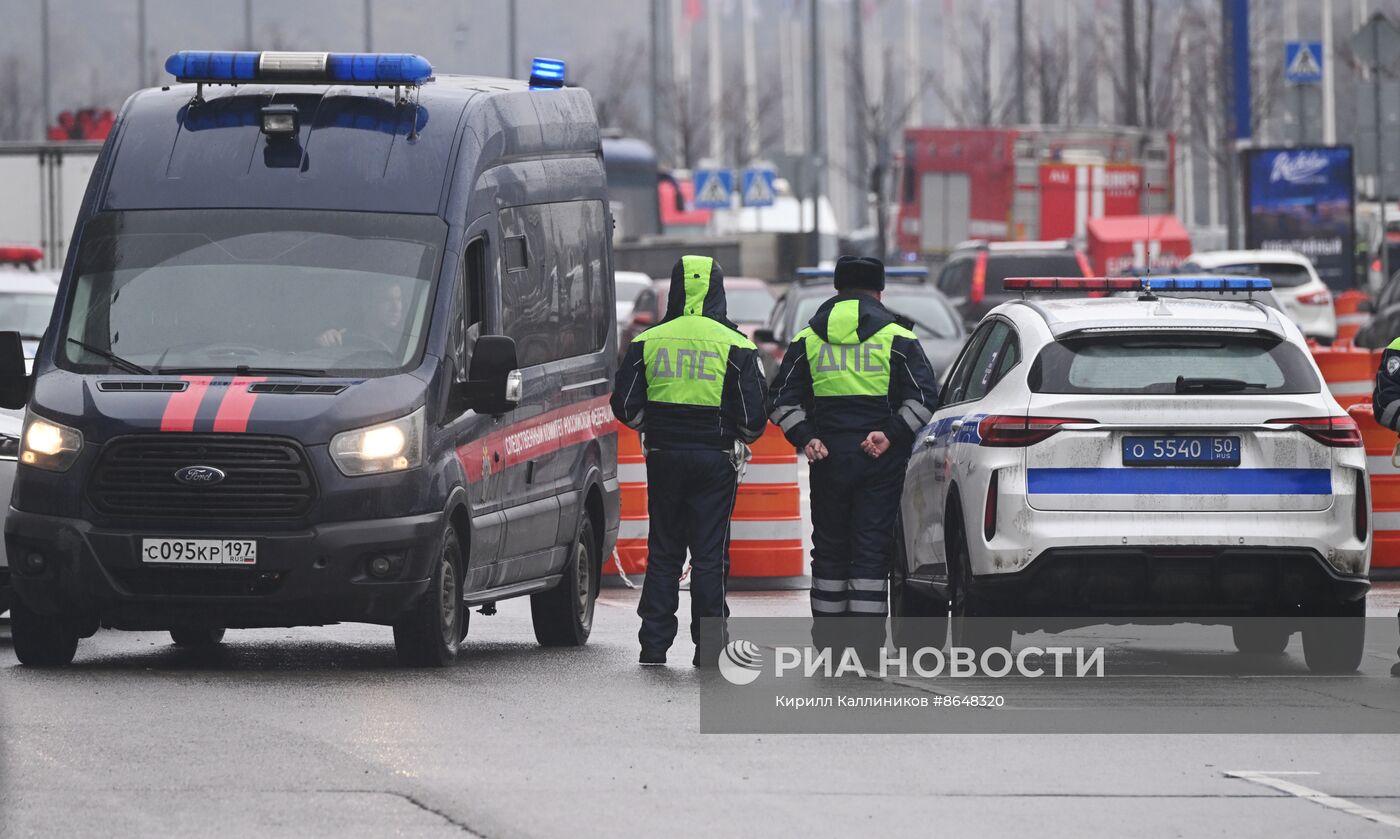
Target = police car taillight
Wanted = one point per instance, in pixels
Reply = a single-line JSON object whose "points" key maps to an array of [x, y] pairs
{"points": [[1010, 432], [1337, 432]]}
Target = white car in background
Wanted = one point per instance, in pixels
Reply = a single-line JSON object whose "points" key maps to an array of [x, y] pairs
{"points": [[1305, 297], [26, 301], [630, 285]]}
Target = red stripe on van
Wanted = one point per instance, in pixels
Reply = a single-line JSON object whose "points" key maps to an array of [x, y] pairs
{"points": [[237, 405], [182, 408]]}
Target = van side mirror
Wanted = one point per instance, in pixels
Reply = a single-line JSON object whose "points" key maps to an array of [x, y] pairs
{"points": [[14, 378], [494, 384], [679, 197], [764, 336]]}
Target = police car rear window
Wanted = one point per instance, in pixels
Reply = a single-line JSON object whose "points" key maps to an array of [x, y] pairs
{"points": [[1172, 363], [1000, 266]]}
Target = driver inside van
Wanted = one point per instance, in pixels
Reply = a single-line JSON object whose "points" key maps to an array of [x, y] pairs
{"points": [[380, 322]]}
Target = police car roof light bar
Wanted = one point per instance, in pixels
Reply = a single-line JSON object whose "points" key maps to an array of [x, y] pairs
{"points": [[546, 74], [1145, 284], [349, 68], [896, 273]]}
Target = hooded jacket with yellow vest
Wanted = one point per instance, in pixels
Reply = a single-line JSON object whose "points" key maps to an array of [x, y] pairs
{"points": [[854, 369], [693, 381]]}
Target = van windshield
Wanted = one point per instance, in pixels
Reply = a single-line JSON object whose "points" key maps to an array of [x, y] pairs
{"points": [[256, 291]]}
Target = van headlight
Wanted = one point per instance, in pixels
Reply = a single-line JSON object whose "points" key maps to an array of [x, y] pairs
{"points": [[48, 445], [387, 447]]}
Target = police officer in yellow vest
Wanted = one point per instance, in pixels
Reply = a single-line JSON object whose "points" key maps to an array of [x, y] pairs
{"points": [[693, 386], [853, 390]]}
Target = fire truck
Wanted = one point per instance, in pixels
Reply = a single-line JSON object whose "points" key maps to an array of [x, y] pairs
{"points": [[1025, 183]]}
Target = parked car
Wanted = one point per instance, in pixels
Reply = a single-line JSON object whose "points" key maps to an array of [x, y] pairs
{"points": [[630, 285], [26, 302], [1074, 448], [1306, 298], [10, 424], [933, 318], [749, 301], [972, 277], [1383, 326]]}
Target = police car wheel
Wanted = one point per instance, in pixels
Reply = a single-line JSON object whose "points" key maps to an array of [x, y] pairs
{"points": [[916, 619], [969, 624], [41, 640], [431, 633], [563, 615], [197, 638], [1334, 639], [1262, 636]]}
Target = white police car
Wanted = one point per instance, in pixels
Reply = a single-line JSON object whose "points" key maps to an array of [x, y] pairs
{"points": [[1119, 459]]}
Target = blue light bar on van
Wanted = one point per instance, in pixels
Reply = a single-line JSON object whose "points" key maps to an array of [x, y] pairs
{"points": [[367, 68], [546, 74], [1222, 284]]}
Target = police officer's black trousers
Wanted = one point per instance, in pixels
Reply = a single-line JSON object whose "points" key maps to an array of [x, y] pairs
{"points": [[854, 501], [690, 497]]}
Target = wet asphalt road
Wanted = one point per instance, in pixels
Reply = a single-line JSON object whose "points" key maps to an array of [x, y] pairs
{"points": [[316, 732]]}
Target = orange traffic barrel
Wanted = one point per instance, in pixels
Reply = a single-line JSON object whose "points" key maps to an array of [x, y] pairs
{"points": [[766, 531], [1350, 372], [1385, 487], [766, 526], [631, 554], [1350, 318]]}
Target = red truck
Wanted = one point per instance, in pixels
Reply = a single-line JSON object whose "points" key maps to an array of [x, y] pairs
{"points": [[1013, 184]]}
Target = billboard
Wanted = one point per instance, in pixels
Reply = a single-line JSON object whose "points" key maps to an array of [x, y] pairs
{"points": [[1304, 199]]}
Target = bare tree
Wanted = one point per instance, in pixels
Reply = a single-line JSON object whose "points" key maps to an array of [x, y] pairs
{"points": [[19, 111], [976, 101], [686, 106], [881, 112], [747, 140], [613, 82], [1126, 81]]}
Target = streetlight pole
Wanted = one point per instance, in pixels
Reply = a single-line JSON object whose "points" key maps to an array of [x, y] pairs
{"points": [[814, 140]]}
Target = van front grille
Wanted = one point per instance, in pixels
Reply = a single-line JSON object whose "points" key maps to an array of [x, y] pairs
{"points": [[264, 478]]}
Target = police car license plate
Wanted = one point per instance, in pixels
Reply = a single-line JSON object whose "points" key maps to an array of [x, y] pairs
{"points": [[200, 551], [1181, 451]]}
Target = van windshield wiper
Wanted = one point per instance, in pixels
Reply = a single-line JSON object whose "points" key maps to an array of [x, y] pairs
{"points": [[117, 361], [1187, 385], [245, 370]]}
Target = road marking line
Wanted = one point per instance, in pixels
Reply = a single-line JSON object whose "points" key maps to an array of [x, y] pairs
{"points": [[1268, 779]]}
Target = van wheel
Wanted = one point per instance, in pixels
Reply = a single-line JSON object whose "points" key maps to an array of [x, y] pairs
{"points": [[430, 634], [41, 640], [1262, 636], [969, 624], [1333, 640], [197, 638], [916, 619], [563, 616]]}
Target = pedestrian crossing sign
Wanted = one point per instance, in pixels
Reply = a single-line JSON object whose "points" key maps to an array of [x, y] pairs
{"points": [[1302, 62], [714, 189], [758, 187]]}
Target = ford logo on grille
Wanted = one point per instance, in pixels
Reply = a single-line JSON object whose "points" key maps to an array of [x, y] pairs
{"points": [[199, 475]]}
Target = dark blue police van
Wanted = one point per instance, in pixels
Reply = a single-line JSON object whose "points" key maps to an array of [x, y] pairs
{"points": [[334, 342]]}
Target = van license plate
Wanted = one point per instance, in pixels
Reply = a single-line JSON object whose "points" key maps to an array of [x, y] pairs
{"points": [[1181, 451], [200, 551]]}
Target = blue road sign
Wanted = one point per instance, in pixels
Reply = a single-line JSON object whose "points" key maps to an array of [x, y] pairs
{"points": [[714, 189], [758, 187], [1302, 62]]}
